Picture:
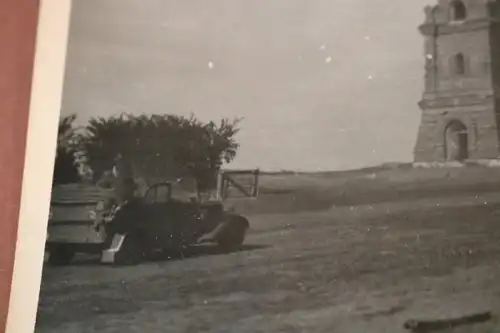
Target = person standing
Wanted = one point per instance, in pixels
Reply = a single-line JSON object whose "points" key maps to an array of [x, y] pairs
{"points": [[126, 214], [124, 236]]}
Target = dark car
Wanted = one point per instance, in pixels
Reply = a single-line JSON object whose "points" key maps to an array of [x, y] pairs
{"points": [[165, 219]]}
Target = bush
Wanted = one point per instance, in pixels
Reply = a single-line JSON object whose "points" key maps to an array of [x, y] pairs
{"points": [[160, 146]]}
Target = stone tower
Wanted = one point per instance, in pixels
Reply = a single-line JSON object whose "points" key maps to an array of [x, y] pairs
{"points": [[461, 99]]}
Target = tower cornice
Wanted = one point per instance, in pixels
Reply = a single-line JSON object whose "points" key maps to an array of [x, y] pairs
{"points": [[456, 101]]}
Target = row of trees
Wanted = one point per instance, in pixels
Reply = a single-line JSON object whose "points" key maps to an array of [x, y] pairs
{"points": [[152, 146]]}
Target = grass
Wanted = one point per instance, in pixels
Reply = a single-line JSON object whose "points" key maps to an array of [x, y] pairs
{"points": [[400, 244], [288, 192]]}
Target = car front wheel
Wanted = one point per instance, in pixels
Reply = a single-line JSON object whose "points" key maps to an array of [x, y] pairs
{"points": [[232, 240], [233, 236]]}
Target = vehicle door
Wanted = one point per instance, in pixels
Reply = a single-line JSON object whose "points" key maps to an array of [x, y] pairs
{"points": [[156, 213]]}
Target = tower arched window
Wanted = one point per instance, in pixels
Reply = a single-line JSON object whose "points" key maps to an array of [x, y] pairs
{"points": [[458, 11], [458, 64]]}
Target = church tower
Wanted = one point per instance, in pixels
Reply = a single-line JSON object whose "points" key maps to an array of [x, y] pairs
{"points": [[461, 100]]}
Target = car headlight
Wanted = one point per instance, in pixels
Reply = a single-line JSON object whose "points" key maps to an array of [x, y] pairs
{"points": [[92, 215]]}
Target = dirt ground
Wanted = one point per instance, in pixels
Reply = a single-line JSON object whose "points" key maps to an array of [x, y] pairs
{"points": [[347, 266]]}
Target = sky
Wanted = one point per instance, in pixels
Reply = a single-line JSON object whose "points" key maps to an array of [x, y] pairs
{"points": [[321, 84]]}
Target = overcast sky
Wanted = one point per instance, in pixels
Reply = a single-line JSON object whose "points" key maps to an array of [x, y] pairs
{"points": [[321, 84]]}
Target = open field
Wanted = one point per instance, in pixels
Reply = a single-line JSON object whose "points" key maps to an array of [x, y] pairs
{"points": [[335, 252]]}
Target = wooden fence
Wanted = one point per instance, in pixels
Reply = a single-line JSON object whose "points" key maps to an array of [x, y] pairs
{"points": [[238, 184]]}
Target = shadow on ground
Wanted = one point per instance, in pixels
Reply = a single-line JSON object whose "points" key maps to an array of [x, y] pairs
{"points": [[187, 253]]}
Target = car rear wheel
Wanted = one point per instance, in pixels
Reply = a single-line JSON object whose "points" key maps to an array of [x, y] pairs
{"points": [[61, 255]]}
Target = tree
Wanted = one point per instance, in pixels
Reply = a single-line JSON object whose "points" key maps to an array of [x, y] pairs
{"points": [[161, 146], [65, 169], [215, 146]]}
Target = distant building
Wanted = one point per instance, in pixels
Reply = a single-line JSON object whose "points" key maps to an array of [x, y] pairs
{"points": [[461, 99]]}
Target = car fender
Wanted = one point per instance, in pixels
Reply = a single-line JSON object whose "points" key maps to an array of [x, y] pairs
{"points": [[231, 220], [229, 223]]}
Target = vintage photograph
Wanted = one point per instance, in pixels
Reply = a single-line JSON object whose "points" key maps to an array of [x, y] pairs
{"points": [[276, 166]]}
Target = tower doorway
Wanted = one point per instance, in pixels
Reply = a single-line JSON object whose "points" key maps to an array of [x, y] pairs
{"points": [[456, 141]]}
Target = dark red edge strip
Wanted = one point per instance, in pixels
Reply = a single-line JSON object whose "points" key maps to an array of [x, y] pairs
{"points": [[18, 29]]}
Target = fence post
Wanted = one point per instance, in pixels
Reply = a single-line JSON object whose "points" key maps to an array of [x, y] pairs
{"points": [[220, 185], [226, 186], [256, 183]]}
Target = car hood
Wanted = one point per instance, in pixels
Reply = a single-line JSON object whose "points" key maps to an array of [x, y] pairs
{"points": [[79, 193]]}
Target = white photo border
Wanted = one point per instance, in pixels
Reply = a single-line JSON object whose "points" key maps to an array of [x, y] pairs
{"points": [[45, 106]]}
